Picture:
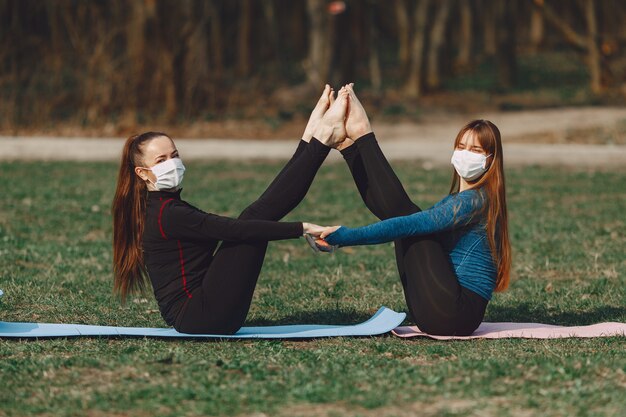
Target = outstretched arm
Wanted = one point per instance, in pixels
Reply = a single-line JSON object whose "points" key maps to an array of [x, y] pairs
{"points": [[454, 211], [182, 221]]}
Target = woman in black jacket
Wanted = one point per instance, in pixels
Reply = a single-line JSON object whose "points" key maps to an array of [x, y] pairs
{"points": [[200, 287]]}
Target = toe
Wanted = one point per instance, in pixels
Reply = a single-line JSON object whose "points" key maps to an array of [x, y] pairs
{"points": [[329, 92], [324, 96], [352, 95]]}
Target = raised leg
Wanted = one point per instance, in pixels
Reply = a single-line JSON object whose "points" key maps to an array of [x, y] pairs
{"points": [[222, 303], [379, 186], [436, 301]]}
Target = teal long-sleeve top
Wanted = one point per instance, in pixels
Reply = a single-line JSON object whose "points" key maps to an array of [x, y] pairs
{"points": [[458, 222]]}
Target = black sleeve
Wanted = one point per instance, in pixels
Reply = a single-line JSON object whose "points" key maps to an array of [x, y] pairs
{"points": [[182, 221]]}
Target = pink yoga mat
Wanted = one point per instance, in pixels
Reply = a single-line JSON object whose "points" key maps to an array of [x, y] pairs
{"points": [[524, 330]]}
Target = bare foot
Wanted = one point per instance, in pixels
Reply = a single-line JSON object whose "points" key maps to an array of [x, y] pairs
{"points": [[357, 122], [331, 131], [318, 112]]}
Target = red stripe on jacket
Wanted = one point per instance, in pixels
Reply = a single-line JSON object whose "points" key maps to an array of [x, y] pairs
{"points": [[180, 249]]}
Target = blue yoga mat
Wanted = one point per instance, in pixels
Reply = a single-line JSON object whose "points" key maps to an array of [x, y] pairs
{"points": [[382, 322]]}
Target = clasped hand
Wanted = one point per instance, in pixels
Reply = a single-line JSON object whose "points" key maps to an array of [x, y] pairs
{"points": [[317, 230]]}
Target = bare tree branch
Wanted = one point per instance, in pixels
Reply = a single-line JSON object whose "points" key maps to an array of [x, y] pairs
{"points": [[553, 18]]}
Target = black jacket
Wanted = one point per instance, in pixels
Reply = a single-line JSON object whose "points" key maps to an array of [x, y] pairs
{"points": [[179, 241]]}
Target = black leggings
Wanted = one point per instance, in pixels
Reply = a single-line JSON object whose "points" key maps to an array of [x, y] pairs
{"points": [[437, 303], [220, 305]]}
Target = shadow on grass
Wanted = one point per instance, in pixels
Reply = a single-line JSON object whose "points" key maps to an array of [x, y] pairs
{"points": [[334, 316], [527, 312], [521, 312]]}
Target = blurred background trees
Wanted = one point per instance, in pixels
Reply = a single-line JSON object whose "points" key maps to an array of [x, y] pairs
{"points": [[133, 62]]}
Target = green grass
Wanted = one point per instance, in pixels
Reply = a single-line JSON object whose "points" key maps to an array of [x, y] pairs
{"points": [[568, 233]]}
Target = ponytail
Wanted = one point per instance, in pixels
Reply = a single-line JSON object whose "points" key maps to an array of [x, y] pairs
{"points": [[128, 210]]}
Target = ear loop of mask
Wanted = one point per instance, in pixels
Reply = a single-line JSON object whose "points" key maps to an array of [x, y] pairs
{"points": [[148, 178], [487, 157]]}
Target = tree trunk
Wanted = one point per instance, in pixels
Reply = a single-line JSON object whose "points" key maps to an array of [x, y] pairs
{"points": [[489, 27], [135, 47], [414, 82], [15, 58], [437, 38], [465, 36], [341, 45], [269, 13], [536, 30], [506, 54], [403, 28], [163, 60], [171, 104], [217, 55], [317, 61], [243, 41], [588, 44], [374, 61], [593, 53], [97, 64], [56, 42], [196, 83], [570, 35]]}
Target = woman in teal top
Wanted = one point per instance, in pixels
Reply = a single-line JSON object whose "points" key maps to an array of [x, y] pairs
{"points": [[452, 256]]}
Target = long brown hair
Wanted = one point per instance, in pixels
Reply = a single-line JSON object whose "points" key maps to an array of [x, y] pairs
{"points": [[492, 181], [129, 208]]}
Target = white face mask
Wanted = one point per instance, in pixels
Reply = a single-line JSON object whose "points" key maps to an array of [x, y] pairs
{"points": [[169, 174], [469, 165]]}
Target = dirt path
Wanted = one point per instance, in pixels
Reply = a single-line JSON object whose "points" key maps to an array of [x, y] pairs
{"points": [[429, 142]]}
